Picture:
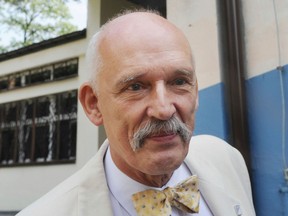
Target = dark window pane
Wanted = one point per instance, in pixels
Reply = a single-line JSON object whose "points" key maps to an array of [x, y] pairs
{"points": [[46, 72], [39, 75], [41, 143], [3, 83], [10, 112], [68, 103], [28, 109], [8, 140], [18, 81], [73, 135], [72, 67], [42, 107], [67, 139], [59, 71], [66, 69]]}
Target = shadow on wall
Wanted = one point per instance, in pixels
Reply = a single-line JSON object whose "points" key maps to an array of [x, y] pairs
{"points": [[10, 213]]}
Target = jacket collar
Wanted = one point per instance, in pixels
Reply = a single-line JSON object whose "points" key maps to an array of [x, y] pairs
{"points": [[212, 184], [94, 198]]}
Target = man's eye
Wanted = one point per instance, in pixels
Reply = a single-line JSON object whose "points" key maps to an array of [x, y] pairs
{"points": [[180, 82], [135, 87]]}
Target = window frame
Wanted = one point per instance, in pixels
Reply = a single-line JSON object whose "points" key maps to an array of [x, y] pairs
{"points": [[28, 78], [47, 120]]}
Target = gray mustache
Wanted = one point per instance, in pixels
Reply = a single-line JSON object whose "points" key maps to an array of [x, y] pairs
{"points": [[157, 127]]}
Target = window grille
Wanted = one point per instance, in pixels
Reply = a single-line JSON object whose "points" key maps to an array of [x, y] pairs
{"points": [[39, 130]]}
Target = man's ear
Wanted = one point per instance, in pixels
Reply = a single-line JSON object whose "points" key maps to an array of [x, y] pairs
{"points": [[89, 101]]}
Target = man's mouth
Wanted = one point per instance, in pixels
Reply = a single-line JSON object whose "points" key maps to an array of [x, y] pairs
{"points": [[161, 137]]}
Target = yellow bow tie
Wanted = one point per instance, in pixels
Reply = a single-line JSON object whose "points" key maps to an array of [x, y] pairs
{"points": [[184, 196]]}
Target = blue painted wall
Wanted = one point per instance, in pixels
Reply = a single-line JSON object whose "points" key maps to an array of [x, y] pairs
{"points": [[211, 115], [265, 128], [264, 108]]}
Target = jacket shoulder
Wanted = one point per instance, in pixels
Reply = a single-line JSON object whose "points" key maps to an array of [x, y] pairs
{"points": [[211, 147], [217, 162], [76, 193]]}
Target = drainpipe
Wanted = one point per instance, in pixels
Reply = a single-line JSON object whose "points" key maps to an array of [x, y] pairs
{"points": [[233, 67]]}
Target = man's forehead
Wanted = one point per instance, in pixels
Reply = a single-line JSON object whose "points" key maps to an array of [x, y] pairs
{"points": [[139, 28], [133, 35], [135, 25]]}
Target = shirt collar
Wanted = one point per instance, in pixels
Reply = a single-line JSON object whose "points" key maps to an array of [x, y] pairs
{"points": [[123, 187]]}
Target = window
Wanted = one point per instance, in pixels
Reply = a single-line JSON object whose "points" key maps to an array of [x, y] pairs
{"points": [[39, 130], [48, 73]]}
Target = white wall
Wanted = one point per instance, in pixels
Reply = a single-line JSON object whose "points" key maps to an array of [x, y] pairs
{"points": [[261, 41], [20, 186], [198, 20]]}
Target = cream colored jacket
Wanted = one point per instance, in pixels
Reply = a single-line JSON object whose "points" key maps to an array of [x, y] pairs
{"points": [[223, 181]]}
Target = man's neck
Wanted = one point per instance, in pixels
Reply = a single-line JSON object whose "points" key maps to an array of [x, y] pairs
{"points": [[141, 177]]}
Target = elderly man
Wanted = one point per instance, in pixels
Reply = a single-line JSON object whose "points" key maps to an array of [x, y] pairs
{"points": [[143, 89]]}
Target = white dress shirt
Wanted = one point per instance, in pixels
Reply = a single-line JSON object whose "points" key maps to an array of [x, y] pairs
{"points": [[123, 187]]}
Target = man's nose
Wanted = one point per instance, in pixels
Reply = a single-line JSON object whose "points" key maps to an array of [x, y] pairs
{"points": [[161, 103]]}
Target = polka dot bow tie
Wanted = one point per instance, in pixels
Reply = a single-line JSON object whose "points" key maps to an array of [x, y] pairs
{"points": [[184, 196]]}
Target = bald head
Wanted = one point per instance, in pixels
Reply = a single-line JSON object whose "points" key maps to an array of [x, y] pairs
{"points": [[128, 34], [138, 24]]}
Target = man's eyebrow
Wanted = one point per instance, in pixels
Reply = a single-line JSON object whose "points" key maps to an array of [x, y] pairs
{"points": [[186, 72], [128, 78]]}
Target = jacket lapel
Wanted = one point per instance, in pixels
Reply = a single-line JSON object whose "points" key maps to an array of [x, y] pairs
{"points": [[214, 193], [224, 180], [93, 192], [218, 200]]}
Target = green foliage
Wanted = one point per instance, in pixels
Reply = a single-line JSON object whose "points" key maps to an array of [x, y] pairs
{"points": [[33, 21]]}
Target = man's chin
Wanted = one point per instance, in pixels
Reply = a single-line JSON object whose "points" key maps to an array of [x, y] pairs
{"points": [[164, 167]]}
